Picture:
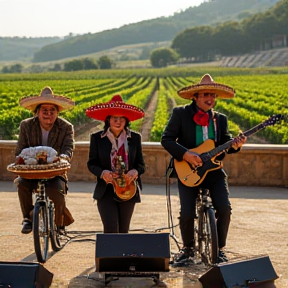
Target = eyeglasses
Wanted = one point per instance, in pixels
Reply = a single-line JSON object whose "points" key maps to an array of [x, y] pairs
{"points": [[206, 95], [117, 118], [48, 111]]}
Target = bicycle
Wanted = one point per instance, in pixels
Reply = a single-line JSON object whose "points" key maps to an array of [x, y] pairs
{"points": [[205, 228], [43, 224]]}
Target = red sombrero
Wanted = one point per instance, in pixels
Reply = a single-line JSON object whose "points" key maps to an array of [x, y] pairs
{"points": [[115, 107], [207, 84]]}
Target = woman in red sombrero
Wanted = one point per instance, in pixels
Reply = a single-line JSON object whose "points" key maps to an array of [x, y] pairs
{"points": [[116, 159], [46, 128], [190, 127]]}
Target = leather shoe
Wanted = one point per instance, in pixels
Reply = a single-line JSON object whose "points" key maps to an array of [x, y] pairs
{"points": [[184, 257], [222, 257], [27, 226], [61, 230]]}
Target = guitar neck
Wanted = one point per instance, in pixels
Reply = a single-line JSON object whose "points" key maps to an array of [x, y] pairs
{"points": [[254, 130], [229, 144]]}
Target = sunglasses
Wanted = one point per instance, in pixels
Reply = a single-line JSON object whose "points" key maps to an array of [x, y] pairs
{"points": [[206, 95]]}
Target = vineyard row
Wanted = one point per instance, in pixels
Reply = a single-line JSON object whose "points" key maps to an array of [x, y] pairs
{"points": [[258, 96]]}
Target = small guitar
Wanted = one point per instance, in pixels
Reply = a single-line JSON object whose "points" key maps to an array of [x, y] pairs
{"points": [[207, 152], [122, 190]]}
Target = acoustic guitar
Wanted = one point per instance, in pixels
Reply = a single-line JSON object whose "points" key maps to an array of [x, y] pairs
{"points": [[207, 151], [123, 191]]}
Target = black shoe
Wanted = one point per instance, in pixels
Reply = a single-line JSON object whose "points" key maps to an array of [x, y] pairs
{"points": [[27, 226], [61, 230], [184, 257], [222, 257]]}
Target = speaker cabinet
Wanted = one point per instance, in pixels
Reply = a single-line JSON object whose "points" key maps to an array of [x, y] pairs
{"points": [[24, 274], [243, 273], [132, 252]]}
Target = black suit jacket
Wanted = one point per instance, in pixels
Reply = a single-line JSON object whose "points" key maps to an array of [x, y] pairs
{"points": [[180, 132], [99, 160]]}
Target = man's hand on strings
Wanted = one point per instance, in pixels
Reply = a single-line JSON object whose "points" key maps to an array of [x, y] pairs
{"points": [[193, 158]]}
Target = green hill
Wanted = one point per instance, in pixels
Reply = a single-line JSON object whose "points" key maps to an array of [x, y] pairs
{"points": [[23, 48], [155, 30], [149, 31]]}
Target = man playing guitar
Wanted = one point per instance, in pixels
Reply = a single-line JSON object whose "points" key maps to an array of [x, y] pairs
{"points": [[190, 126]]}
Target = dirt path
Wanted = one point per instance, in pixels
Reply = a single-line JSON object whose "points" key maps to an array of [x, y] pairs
{"points": [[258, 227], [149, 117], [82, 132]]}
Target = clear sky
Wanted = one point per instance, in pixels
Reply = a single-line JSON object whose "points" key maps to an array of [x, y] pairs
{"points": [[39, 18]]}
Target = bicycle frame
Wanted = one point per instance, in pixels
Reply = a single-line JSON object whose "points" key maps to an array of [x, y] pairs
{"points": [[205, 229], [43, 224]]}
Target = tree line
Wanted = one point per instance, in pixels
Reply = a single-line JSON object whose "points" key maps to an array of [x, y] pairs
{"points": [[204, 43], [104, 62], [155, 30]]}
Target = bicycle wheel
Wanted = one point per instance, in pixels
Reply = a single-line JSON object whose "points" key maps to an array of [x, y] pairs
{"points": [[40, 232], [56, 239], [208, 238]]}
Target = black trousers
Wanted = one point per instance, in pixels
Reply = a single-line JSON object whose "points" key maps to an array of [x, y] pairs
{"points": [[116, 216], [216, 182], [55, 188]]}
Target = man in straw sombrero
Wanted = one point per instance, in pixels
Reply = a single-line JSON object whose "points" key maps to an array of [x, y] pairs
{"points": [[189, 130], [45, 128]]}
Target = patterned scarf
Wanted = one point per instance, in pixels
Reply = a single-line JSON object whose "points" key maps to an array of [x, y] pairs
{"points": [[119, 147]]}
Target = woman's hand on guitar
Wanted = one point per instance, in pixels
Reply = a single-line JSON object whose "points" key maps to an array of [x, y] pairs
{"points": [[107, 176], [131, 175], [193, 159]]}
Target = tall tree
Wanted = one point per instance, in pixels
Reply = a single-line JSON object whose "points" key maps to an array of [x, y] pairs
{"points": [[162, 57]]}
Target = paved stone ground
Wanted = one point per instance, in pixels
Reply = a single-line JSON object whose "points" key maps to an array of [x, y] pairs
{"points": [[258, 228]]}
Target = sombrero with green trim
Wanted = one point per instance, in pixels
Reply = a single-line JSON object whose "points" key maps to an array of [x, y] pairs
{"points": [[207, 85], [46, 97], [115, 107]]}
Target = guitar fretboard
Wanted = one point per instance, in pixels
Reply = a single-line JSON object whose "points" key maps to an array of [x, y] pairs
{"points": [[217, 150]]}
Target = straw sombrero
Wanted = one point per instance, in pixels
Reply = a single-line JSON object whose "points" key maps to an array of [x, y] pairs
{"points": [[207, 84], [46, 97], [115, 107]]}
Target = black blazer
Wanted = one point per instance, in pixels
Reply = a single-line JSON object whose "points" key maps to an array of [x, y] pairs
{"points": [[180, 132], [99, 160]]}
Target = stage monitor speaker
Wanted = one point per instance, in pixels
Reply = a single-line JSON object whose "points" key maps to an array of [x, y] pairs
{"points": [[24, 275], [132, 252], [242, 273]]}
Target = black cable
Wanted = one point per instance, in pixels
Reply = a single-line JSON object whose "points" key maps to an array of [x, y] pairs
{"points": [[79, 232], [169, 207], [171, 226]]}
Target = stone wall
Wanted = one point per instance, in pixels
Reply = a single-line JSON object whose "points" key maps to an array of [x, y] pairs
{"points": [[255, 165]]}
